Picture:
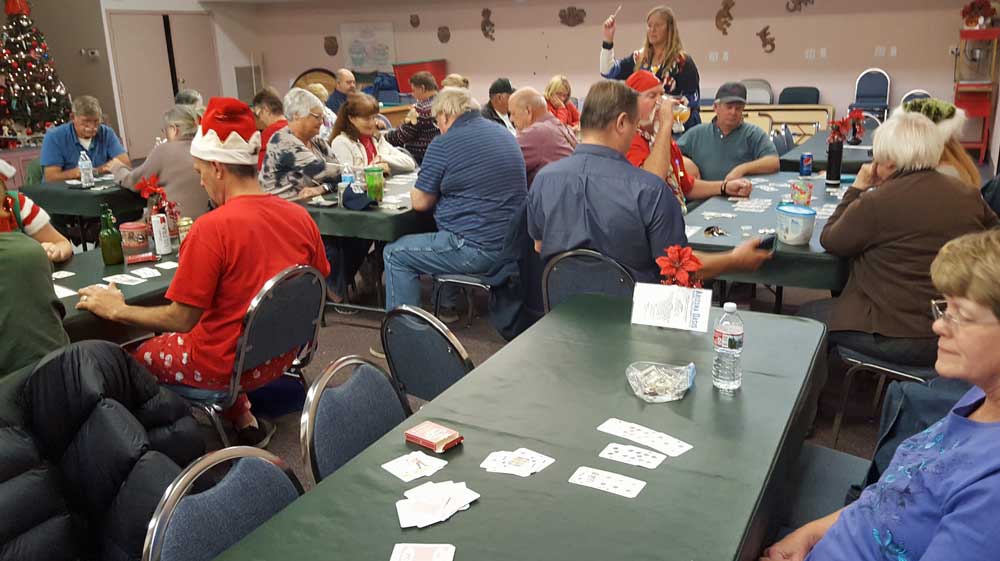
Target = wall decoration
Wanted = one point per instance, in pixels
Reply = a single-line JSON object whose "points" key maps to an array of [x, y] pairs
{"points": [[444, 34], [414, 20], [330, 45], [572, 16], [766, 40], [724, 17], [487, 26], [796, 5], [371, 46]]}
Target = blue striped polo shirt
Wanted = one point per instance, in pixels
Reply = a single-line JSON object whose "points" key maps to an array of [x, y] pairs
{"points": [[477, 172]]}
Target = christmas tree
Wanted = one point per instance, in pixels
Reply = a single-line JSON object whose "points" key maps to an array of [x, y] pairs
{"points": [[32, 97]]}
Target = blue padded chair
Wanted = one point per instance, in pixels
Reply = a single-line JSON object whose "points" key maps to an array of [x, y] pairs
{"points": [[789, 137], [870, 122], [799, 95], [871, 92], [821, 482], [779, 142], [339, 422], [424, 356], [199, 527], [583, 271], [860, 362], [284, 316], [915, 94]]}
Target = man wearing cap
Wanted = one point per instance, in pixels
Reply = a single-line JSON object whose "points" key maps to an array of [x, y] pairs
{"points": [[596, 199], [497, 109], [728, 149], [229, 254], [543, 138]]}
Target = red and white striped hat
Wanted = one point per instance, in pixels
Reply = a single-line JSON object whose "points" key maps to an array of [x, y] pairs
{"points": [[227, 134]]}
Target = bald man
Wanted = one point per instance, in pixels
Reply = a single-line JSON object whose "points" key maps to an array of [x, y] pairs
{"points": [[346, 84], [542, 137]]}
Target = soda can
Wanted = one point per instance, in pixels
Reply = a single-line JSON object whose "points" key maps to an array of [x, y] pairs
{"points": [[806, 164], [183, 227], [161, 234]]}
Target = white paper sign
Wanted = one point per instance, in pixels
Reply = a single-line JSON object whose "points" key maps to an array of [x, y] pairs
{"points": [[671, 306]]}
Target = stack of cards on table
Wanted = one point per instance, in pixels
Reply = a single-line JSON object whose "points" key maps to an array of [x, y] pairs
{"points": [[433, 436], [522, 462], [423, 552], [414, 465], [607, 481], [431, 503], [646, 436]]}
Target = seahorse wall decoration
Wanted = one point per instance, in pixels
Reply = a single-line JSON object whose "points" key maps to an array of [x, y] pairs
{"points": [[330, 45], [572, 16], [766, 41], [444, 34], [724, 17], [414, 20], [487, 26], [796, 5]]}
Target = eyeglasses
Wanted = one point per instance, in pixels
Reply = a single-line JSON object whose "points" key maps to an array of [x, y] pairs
{"points": [[939, 309], [315, 116]]}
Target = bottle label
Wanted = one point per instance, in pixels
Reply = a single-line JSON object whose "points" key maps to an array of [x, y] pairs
{"points": [[728, 340]]}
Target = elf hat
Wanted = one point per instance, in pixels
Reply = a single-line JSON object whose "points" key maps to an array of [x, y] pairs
{"points": [[6, 170], [227, 134]]}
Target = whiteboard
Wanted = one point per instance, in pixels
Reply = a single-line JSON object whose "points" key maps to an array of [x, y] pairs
{"points": [[368, 46]]}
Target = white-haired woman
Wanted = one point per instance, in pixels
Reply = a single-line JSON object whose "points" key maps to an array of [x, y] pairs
{"points": [[357, 142], [299, 163], [955, 161], [890, 224], [940, 496], [171, 163]]}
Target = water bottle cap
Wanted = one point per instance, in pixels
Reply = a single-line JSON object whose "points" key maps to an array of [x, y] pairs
{"points": [[729, 307]]}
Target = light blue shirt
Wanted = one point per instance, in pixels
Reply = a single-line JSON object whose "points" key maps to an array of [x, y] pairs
{"points": [[61, 147]]}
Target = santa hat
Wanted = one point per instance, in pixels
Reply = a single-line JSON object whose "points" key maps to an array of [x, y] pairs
{"points": [[6, 170], [642, 80], [227, 134]]}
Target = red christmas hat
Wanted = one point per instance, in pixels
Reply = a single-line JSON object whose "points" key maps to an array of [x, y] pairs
{"points": [[228, 133], [18, 7], [642, 80]]}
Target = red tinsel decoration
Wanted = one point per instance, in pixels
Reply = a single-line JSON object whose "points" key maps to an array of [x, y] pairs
{"points": [[17, 7]]}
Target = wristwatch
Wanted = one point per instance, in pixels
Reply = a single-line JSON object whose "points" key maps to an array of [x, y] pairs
{"points": [[606, 45], [722, 189]]}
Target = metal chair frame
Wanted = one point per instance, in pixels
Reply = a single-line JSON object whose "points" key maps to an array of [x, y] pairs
{"points": [[888, 83], [307, 422], [789, 137], [155, 534], [551, 265], [780, 144], [455, 345], [917, 93], [880, 371], [213, 410], [464, 282]]}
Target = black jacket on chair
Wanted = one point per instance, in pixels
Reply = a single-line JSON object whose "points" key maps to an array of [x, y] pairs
{"points": [[86, 456]]}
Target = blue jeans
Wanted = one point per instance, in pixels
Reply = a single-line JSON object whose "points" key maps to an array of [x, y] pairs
{"points": [[430, 254]]}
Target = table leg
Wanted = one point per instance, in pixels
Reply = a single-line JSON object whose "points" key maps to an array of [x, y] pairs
{"points": [[779, 293], [83, 234]]}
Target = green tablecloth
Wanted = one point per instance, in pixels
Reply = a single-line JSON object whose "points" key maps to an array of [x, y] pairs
{"points": [[548, 390], [58, 198], [852, 161], [802, 266], [89, 269], [387, 222]]}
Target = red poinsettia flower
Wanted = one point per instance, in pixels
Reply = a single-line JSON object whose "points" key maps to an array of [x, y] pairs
{"points": [[149, 186], [678, 266]]}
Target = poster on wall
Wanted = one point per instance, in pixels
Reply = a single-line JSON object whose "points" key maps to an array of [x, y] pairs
{"points": [[369, 47]]}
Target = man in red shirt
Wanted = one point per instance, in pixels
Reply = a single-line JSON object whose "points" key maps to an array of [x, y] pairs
{"points": [[270, 113], [226, 258]]}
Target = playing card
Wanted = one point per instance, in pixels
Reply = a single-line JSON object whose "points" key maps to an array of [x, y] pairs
{"points": [[125, 279], [632, 455], [539, 461], [63, 292], [656, 440], [417, 514], [145, 272], [413, 465], [607, 481], [167, 265], [423, 552], [431, 503], [62, 274], [522, 462]]}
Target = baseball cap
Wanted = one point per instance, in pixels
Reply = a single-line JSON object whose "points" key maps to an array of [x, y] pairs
{"points": [[501, 85], [356, 197], [731, 92]]}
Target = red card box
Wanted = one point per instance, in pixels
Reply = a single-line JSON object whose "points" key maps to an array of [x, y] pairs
{"points": [[433, 436]]}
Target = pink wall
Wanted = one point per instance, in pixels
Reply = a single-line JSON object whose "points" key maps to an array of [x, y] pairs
{"points": [[531, 45]]}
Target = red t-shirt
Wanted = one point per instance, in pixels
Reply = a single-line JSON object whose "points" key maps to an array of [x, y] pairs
{"points": [[369, 145], [567, 114], [265, 136], [227, 257], [638, 152]]}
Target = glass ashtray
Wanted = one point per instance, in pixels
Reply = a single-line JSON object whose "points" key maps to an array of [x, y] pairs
{"points": [[655, 382]]}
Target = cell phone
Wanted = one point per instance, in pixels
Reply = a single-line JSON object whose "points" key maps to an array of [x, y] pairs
{"points": [[767, 242]]}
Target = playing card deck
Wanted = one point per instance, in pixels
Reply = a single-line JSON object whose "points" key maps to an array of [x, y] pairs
{"points": [[639, 434], [433, 436], [414, 465], [632, 455], [431, 503], [607, 481], [521, 462]]}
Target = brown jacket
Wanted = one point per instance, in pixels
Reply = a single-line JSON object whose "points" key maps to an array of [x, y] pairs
{"points": [[892, 233]]}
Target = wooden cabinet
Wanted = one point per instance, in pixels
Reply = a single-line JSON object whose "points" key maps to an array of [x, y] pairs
{"points": [[20, 158]]}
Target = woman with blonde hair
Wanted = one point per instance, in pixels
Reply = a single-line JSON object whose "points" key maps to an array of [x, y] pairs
{"points": [[329, 117], [557, 96], [455, 81], [662, 54], [955, 161]]}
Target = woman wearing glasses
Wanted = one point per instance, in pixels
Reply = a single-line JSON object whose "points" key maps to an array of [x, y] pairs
{"points": [[357, 143], [940, 497], [890, 224]]}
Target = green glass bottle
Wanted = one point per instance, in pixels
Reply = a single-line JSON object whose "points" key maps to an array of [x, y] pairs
{"points": [[111, 238]]}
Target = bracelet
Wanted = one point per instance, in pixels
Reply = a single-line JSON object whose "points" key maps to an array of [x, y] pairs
{"points": [[722, 189], [606, 45]]}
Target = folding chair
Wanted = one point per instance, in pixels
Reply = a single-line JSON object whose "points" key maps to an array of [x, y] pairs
{"points": [[424, 356], [915, 94], [871, 92], [759, 91], [779, 142], [799, 95], [583, 271]]}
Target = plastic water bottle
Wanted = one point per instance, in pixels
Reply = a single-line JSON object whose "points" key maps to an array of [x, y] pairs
{"points": [[347, 175], [86, 170], [728, 342]]}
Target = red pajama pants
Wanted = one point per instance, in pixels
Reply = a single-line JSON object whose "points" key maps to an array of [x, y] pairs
{"points": [[167, 356]]}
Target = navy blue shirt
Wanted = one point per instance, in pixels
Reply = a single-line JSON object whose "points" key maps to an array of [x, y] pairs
{"points": [[595, 199], [336, 99], [62, 148], [476, 170]]}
